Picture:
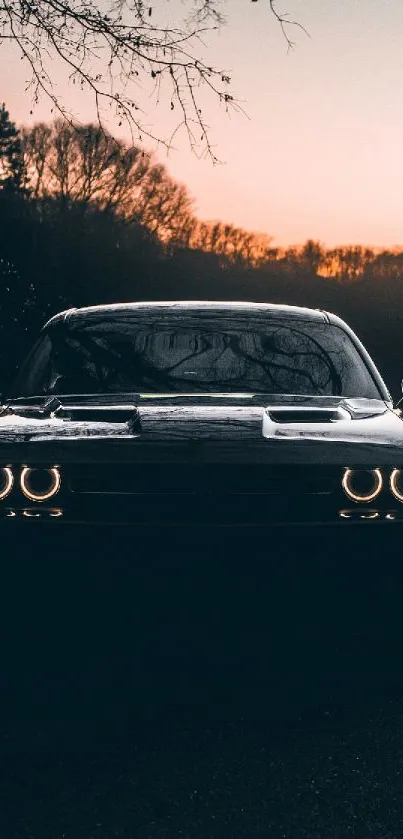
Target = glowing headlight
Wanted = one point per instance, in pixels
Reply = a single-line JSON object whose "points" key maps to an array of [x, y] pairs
{"points": [[362, 485], [40, 484], [396, 484], [6, 482]]}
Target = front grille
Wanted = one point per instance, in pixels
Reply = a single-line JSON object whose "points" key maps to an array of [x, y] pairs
{"points": [[198, 479]]}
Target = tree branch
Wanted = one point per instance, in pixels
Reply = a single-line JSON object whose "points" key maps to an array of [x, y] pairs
{"points": [[117, 52]]}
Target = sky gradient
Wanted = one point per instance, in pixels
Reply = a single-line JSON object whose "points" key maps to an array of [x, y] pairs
{"points": [[319, 154]]}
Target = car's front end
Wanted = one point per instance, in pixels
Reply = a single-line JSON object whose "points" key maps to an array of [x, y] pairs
{"points": [[202, 463], [187, 448]]}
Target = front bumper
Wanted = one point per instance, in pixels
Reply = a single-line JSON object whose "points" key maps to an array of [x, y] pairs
{"points": [[200, 514]]}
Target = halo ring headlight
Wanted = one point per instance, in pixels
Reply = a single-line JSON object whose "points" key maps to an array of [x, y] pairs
{"points": [[396, 484], [42, 494], [364, 497], [6, 482]]}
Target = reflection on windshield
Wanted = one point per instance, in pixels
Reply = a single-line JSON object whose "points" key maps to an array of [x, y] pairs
{"points": [[120, 357]]}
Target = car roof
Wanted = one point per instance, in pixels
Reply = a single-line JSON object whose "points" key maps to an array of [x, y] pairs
{"points": [[189, 307]]}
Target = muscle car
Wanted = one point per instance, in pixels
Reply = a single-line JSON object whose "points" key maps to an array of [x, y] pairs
{"points": [[198, 413]]}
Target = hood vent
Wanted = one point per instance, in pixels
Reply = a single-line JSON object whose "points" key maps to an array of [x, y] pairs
{"points": [[80, 413], [285, 416], [129, 415]]}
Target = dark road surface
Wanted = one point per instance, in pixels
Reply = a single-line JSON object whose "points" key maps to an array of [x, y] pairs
{"points": [[236, 690]]}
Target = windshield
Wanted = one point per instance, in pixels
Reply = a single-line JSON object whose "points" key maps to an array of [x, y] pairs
{"points": [[128, 355]]}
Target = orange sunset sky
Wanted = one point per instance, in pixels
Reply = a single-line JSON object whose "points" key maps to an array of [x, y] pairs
{"points": [[320, 152]]}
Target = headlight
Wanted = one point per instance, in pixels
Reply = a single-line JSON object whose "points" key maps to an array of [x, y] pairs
{"points": [[362, 485], [6, 482], [40, 484], [396, 484]]}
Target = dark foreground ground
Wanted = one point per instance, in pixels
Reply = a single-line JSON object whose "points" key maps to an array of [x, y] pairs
{"points": [[235, 689]]}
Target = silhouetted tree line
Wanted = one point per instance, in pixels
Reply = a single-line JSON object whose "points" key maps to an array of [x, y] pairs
{"points": [[85, 219]]}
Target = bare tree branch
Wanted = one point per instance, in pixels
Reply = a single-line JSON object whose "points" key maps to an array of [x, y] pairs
{"points": [[286, 23], [119, 53]]}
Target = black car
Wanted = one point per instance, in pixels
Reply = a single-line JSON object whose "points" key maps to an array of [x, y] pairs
{"points": [[200, 413]]}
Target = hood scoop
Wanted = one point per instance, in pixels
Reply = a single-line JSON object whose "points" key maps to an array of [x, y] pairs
{"points": [[309, 422], [88, 413], [291, 415], [94, 414], [125, 415], [313, 423]]}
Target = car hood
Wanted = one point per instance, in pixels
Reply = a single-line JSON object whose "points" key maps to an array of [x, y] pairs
{"points": [[222, 418]]}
